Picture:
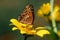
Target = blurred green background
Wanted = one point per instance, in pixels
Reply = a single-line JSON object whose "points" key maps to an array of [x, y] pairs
{"points": [[11, 9]]}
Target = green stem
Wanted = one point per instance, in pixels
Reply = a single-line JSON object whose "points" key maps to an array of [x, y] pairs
{"points": [[53, 20]]}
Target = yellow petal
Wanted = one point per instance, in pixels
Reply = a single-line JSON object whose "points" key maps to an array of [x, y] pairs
{"points": [[22, 32], [56, 14], [41, 33], [58, 33], [14, 28], [40, 13], [32, 32], [44, 9], [17, 24], [40, 28], [55, 10]]}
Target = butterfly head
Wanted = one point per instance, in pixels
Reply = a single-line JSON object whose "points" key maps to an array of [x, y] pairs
{"points": [[29, 7]]}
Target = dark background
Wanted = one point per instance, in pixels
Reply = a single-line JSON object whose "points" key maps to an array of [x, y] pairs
{"points": [[11, 9]]}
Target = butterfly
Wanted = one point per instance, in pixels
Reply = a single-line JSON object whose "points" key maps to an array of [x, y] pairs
{"points": [[27, 16]]}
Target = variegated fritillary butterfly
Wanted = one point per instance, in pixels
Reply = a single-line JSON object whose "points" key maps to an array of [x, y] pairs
{"points": [[27, 15]]}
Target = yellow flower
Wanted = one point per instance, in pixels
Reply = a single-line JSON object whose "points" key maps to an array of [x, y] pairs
{"points": [[27, 30], [58, 33], [41, 33], [44, 9], [22, 27], [56, 13]]}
